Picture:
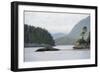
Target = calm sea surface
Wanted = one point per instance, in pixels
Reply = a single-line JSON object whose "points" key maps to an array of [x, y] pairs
{"points": [[65, 53]]}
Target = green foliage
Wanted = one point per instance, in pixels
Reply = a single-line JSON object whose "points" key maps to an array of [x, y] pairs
{"points": [[83, 43], [88, 39], [37, 35], [84, 30]]}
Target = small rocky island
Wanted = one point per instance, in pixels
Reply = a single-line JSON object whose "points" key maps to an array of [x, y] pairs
{"points": [[47, 48], [83, 43]]}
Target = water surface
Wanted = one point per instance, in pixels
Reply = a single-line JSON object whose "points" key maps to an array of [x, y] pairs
{"points": [[66, 52]]}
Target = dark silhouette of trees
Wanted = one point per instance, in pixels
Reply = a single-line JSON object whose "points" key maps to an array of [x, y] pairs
{"points": [[82, 42], [88, 39], [37, 35], [84, 30]]}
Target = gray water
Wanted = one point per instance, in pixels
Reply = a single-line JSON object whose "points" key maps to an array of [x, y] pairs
{"points": [[66, 52]]}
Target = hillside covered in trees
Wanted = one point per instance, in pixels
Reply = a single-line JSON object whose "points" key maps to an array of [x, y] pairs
{"points": [[74, 34], [37, 36]]}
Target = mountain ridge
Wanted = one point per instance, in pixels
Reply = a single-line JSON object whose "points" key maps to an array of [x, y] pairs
{"points": [[74, 33]]}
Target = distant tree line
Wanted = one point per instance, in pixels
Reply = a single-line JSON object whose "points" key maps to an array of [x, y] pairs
{"points": [[37, 35]]}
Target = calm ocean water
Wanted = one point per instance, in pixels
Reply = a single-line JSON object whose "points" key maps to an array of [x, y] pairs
{"points": [[66, 52]]}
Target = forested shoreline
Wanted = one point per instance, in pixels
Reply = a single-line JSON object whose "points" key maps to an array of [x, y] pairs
{"points": [[36, 36]]}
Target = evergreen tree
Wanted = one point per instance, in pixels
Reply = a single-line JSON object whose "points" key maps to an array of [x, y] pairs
{"points": [[88, 39], [84, 30]]}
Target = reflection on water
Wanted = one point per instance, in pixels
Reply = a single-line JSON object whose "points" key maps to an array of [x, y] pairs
{"points": [[65, 53]]}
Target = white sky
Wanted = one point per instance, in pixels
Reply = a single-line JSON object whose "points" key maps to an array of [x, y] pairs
{"points": [[54, 22]]}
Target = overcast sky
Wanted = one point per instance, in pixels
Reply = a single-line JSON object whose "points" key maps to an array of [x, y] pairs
{"points": [[53, 22]]}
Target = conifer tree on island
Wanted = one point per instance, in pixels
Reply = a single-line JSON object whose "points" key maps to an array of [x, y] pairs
{"points": [[82, 42]]}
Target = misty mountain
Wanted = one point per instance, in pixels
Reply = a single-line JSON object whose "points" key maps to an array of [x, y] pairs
{"points": [[57, 35], [74, 33]]}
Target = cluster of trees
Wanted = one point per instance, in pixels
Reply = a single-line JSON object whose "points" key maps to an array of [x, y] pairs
{"points": [[37, 35], [84, 30], [83, 43], [88, 39]]}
